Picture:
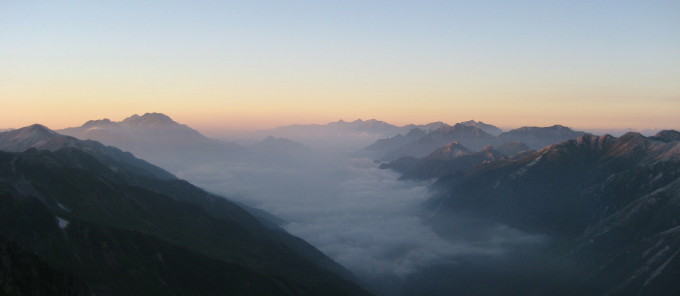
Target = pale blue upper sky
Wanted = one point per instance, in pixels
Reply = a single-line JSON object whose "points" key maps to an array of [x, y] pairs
{"points": [[260, 63]]}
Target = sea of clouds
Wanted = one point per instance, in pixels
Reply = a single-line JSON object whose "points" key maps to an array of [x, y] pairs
{"points": [[361, 216]]}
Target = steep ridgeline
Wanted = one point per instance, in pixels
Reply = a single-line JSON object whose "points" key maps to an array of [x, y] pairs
{"points": [[423, 127], [474, 135], [123, 232], [339, 137], [157, 138], [41, 137], [371, 127], [418, 143], [488, 128], [539, 137], [611, 205], [452, 158], [383, 147]]}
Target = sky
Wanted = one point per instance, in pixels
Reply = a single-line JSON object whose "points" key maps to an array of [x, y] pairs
{"points": [[261, 64]]}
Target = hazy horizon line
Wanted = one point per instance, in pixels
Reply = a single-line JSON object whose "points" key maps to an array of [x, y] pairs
{"points": [[226, 129]]}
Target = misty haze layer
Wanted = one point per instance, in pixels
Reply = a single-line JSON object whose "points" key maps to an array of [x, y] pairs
{"points": [[358, 214]]}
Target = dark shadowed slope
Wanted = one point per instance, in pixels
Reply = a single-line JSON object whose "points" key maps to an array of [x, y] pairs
{"points": [[22, 273], [125, 233], [473, 135], [448, 160], [610, 203], [40, 137]]}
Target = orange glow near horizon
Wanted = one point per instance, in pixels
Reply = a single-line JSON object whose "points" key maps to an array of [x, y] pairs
{"points": [[232, 115], [258, 65]]}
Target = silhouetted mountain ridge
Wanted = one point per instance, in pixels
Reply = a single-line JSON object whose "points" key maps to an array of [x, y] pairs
{"points": [[41, 137], [157, 138], [611, 205], [471, 134], [126, 233]]}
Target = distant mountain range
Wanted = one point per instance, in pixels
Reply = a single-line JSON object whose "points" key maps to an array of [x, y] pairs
{"points": [[174, 146], [40, 137], [125, 227], [487, 128], [371, 126], [452, 158], [348, 136], [473, 135], [610, 204], [157, 138]]}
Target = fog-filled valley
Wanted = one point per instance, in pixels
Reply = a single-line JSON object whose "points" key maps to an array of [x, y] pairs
{"points": [[438, 209], [339, 148]]}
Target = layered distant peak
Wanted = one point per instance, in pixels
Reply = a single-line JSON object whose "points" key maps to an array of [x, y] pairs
{"points": [[425, 127], [42, 138], [667, 136], [99, 123], [433, 125], [36, 130], [555, 129], [596, 142], [21, 139], [414, 133], [493, 130], [449, 151], [539, 137], [149, 120], [272, 146], [591, 144], [371, 126], [462, 130], [632, 146], [272, 141], [373, 123]]}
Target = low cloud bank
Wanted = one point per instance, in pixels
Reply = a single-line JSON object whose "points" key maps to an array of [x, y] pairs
{"points": [[359, 215]]}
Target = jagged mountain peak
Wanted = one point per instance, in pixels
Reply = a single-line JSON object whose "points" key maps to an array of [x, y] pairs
{"points": [[556, 127], [424, 127], [491, 129], [459, 128], [586, 142], [149, 119], [360, 123], [98, 123], [539, 137], [631, 145], [449, 151]]}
